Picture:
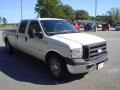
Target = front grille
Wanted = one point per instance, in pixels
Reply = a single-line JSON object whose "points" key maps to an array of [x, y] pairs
{"points": [[94, 51]]}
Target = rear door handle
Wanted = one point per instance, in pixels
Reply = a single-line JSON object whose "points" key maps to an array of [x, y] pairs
{"points": [[25, 39], [17, 36]]}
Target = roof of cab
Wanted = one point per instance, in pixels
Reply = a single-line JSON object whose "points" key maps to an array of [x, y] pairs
{"points": [[42, 19]]}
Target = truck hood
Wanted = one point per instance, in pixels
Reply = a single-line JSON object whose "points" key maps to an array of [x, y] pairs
{"points": [[78, 38]]}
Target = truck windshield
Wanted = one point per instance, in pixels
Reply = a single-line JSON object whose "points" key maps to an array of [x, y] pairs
{"points": [[53, 27]]}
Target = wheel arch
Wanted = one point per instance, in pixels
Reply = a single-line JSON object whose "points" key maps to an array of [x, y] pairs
{"points": [[51, 53], [6, 39]]}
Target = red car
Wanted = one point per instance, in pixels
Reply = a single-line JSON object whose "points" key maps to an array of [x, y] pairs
{"points": [[77, 26], [105, 27]]}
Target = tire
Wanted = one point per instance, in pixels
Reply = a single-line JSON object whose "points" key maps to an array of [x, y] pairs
{"points": [[8, 46], [57, 67], [116, 29]]}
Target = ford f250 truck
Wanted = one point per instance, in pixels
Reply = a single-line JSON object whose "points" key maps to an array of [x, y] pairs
{"points": [[59, 45]]}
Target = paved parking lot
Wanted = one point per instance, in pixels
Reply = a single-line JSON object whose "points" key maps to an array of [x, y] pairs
{"points": [[22, 72]]}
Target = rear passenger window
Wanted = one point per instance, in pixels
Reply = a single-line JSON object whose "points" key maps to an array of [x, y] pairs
{"points": [[23, 26]]}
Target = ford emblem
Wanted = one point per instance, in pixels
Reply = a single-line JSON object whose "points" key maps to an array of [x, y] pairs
{"points": [[99, 50]]}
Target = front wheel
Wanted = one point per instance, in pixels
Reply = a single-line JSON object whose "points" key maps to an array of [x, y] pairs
{"points": [[117, 29], [57, 67]]}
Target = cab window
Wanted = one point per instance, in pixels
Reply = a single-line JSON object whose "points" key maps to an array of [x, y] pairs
{"points": [[34, 30], [23, 26]]}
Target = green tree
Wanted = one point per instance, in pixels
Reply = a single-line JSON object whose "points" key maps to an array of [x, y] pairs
{"points": [[92, 18], [69, 12], [0, 20], [49, 9], [113, 15], [82, 15], [4, 20]]}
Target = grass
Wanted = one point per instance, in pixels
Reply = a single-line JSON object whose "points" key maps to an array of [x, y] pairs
{"points": [[8, 27]]}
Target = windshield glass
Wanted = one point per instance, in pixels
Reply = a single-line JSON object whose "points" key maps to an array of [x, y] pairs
{"points": [[53, 27]]}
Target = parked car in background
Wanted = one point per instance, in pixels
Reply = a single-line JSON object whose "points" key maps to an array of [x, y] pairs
{"points": [[76, 25], [89, 27], [105, 27], [99, 26], [81, 25], [113, 25], [117, 27]]}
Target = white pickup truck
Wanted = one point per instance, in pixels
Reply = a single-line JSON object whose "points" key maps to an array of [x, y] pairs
{"points": [[59, 45]]}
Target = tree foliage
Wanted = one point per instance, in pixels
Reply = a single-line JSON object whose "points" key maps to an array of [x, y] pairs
{"points": [[3, 20], [55, 9], [0, 20], [82, 15], [49, 8], [69, 12], [113, 15]]}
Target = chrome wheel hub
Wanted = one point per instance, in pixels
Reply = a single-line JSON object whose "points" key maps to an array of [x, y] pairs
{"points": [[55, 67]]}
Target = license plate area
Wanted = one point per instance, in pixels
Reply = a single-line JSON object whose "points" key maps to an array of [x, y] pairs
{"points": [[100, 65]]}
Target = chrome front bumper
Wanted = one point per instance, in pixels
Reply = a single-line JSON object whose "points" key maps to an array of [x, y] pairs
{"points": [[87, 66]]}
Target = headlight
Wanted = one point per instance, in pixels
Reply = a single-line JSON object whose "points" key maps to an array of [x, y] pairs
{"points": [[76, 53]]}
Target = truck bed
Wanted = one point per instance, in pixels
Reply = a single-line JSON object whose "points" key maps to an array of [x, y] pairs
{"points": [[10, 34], [12, 31]]}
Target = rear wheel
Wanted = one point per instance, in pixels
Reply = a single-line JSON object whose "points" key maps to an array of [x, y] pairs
{"points": [[57, 67]]}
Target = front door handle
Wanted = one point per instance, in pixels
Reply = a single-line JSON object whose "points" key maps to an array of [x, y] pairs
{"points": [[17, 36], [25, 39]]}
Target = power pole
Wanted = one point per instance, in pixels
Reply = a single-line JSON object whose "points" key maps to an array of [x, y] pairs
{"points": [[39, 13], [21, 10], [95, 14], [95, 8]]}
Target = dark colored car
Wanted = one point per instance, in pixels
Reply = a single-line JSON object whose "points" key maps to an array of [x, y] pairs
{"points": [[89, 27], [113, 25], [105, 27]]}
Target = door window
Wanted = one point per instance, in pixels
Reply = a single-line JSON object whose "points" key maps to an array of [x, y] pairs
{"points": [[23, 26], [34, 30]]}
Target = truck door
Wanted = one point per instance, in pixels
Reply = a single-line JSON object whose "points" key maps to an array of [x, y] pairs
{"points": [[20, 38], [35, 42]]}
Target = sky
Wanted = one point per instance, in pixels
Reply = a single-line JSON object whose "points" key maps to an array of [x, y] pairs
{"points": [[11, 8]]}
